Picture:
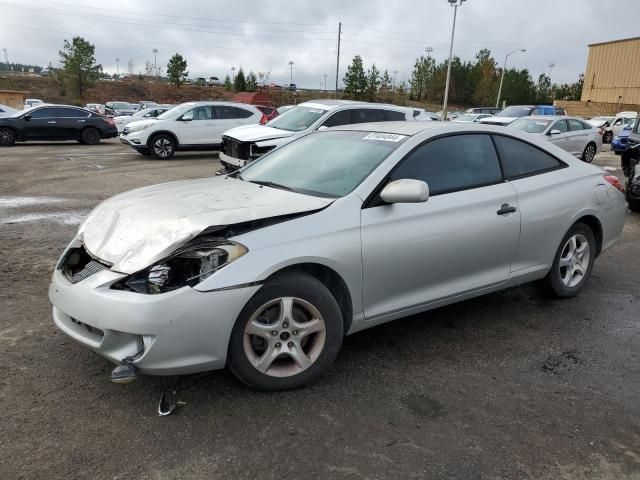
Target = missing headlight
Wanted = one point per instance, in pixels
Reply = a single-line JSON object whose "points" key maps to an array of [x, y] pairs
{"points": [[188, 266]]}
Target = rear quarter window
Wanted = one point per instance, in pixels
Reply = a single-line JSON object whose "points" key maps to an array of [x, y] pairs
{"points": [[520, 159], [394, 116]]}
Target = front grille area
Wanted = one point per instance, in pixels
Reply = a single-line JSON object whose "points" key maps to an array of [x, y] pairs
{"points": [[78, 265], [235, 149]]}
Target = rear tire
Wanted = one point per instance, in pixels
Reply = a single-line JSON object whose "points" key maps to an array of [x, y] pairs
{"points": [[634, 204], [589, 152], [7, 137], [287, 336], [90, 136], [573, 262], [162, 147]]}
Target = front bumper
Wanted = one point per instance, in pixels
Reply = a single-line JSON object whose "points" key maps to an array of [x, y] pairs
{"points": [[179, 332], [231, 163]]}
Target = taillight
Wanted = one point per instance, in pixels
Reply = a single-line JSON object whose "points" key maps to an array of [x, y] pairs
{"points": [[601, 130], [613, 180], [264, 119], [109, 120]]}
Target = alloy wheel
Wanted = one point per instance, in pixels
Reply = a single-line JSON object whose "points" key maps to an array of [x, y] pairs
{"points": [[7, 137], [574, 260], [589, 153], [284, 337], [162, 147]]}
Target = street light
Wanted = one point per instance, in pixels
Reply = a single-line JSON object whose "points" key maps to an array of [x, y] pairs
{"points": [[118, 67], [455, 4], [291, 66], [504, 67], [233, 73]]}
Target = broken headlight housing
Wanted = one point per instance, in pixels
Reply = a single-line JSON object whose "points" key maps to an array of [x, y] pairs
{"points": [[187, 266]]}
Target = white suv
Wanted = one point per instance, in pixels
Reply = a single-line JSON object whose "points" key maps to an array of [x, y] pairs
{"points": [[189, 126], [244, 144]]}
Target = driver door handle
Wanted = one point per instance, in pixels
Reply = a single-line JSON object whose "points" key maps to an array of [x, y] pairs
{"points": [[506, 208], [52, 121]]}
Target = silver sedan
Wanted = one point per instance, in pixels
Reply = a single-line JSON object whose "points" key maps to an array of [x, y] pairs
{"points": [[576, 136], [266, 270]]}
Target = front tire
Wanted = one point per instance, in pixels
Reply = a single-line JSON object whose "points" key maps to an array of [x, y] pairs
{"points": [[162, 147], [589, 153], [90, 136], [573, 262], [7, 137], [287, 336]]}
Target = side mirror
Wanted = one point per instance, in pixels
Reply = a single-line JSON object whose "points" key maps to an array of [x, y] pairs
{"points": [[555, 132], [27, 117], [322, 127], [188, 119], [405, 191]]}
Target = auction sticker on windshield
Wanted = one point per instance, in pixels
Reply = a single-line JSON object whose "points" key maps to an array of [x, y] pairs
{"points": [[385, 137]]}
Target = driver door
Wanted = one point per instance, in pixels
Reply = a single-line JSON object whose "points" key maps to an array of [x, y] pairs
{"points": [[461, 240]]}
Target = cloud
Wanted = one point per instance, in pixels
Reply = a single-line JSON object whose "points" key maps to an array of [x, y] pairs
{"points": [[265, 35]]}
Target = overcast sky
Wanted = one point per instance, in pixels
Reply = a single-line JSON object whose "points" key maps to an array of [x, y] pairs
{"points": [[264, 35]]}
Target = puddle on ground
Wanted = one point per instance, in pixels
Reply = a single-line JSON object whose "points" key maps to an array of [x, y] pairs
{"points": [[17, 201], [63, 218]]}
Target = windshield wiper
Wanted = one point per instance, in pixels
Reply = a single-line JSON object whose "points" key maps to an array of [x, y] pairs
{"points": [[272, 185]]}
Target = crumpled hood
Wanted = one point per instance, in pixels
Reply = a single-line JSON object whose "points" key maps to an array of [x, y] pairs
{"points": [[137, 228], [256, 133]]}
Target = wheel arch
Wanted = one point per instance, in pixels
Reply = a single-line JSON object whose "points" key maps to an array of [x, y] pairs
{"points": [[596, 227], [330, 279], [163, 132]]}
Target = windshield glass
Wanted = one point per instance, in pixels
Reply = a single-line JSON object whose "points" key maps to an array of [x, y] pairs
{"points": [[175, 112], [19, 113], [599, 120], [515, 112], [465, 118], [530, 125], [121, 106], [297, 119], [326, 164]]}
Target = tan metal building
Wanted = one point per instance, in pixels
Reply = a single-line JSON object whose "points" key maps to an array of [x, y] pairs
{"points": [[613, 72]]}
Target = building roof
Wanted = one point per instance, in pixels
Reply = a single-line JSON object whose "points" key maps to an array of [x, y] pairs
{"points": [[24, 92], [614, 41]]}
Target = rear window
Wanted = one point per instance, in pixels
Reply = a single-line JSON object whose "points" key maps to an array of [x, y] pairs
{"points": [[530, 125], [515, 112], [394, 116]]}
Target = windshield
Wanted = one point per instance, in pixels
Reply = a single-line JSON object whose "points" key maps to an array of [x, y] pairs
{"points": [[515, 112], [121, 106], [297, 119], [599, 120], [175, 112], [465, 118], [530, 125], [19, 113], [326, 164]]}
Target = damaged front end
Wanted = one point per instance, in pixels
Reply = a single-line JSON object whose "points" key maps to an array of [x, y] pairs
{"points": [[237, 153]]}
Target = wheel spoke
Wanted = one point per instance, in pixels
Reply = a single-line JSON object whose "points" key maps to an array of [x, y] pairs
{"points": [[313, 326], [565, 262], [259, 329], [286, 311], [267, 358], [299, 357]]}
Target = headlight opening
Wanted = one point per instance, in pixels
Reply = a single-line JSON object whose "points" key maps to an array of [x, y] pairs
{"points": [[188, 266]]}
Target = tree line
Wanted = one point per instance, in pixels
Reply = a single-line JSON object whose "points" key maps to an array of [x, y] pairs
{"points": [[472, 83]]}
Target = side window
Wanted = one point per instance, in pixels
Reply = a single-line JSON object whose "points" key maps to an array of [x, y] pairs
{"points": [[44, 113], [366, 115], [338, 118], [537, 111], [448, 164], [628, 121], [198, 114], [521, 159], [617, 122], [587, 126], [394, 116], [560, 125], [636, 129], [575, 125], [227, 112]]}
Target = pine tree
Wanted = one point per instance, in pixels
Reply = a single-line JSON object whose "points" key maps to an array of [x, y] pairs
{"points": [[227, 83], [373, 82], [240, 83], [79, 64], [252, 82], [177, 70], [355, 80]]}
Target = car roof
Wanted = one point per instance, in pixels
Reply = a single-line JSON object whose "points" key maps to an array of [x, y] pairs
{"points": [[551, 117], [332, 104], [400, 128]]}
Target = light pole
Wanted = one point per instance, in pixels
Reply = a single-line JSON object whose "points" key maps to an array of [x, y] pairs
{"points": [[325, 82], [395, 73], [291, 67], [429, 50], [551, 65], [233, 74], [118, 67], [155, 63], [504, 67], [455, 4]]}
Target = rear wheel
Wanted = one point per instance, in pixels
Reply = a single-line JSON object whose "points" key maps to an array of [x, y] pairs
{"points": [[573, 261], [287, 336], [162, 147], [634, 204], [90, 136], [589, 153], [7, 137]]}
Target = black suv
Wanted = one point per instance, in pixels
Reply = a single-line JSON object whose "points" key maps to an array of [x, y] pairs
{"points": [[56, 122]]}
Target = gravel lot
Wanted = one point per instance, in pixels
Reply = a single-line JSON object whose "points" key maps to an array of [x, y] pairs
{"points": [[511, 385]]}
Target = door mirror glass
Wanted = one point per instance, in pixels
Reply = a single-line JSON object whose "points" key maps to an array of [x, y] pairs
{"points": [[322, 127], [405, 191], [27, 117], [555, 131]]}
